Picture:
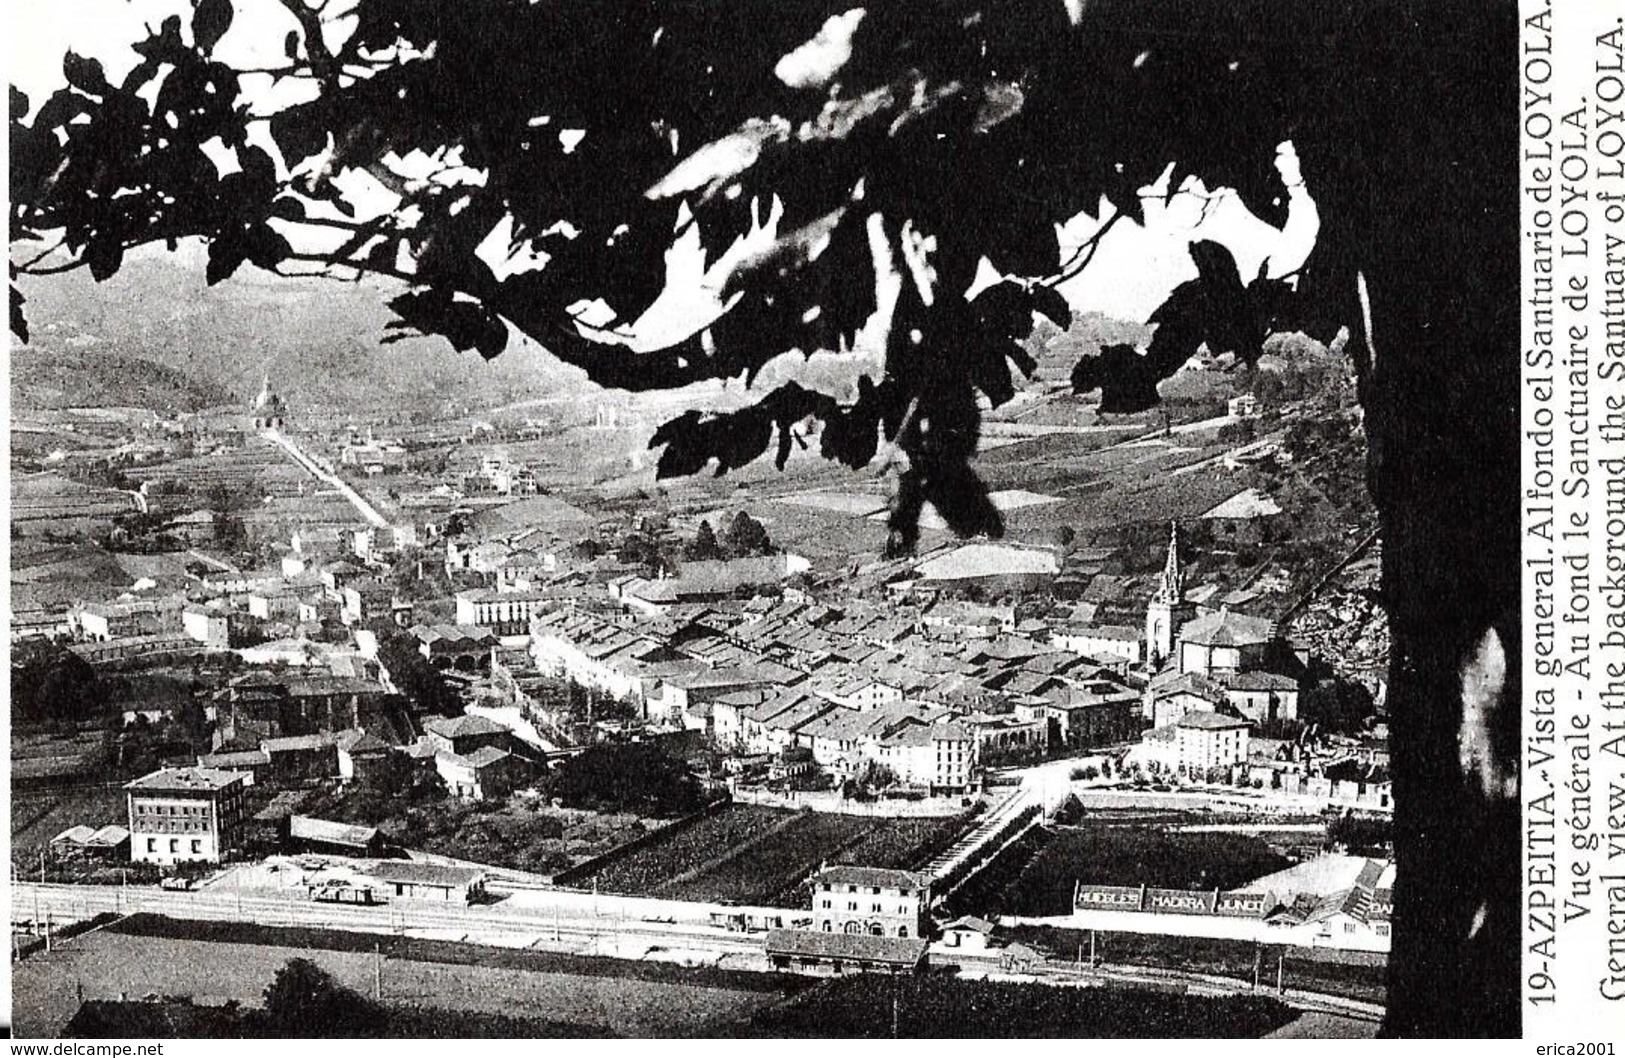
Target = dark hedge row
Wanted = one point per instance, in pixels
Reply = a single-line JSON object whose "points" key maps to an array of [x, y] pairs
{"points": [[874, 1006]]}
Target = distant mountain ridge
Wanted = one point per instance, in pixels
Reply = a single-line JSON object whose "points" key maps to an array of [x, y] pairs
{"points": [[157, 335]]}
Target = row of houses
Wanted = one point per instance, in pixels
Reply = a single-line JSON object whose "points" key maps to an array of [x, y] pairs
{"points": [[305, 593], [856, 684], [477, 758]]}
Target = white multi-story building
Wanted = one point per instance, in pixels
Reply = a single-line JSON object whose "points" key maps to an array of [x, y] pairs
{"points": [[941, 756], [872, 902], [116, 620], [1102, 641], [183, 815], [1207, 740], [507, 613], [209, 625]]}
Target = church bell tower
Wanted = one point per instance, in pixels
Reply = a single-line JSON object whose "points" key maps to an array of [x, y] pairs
{"points": [[1168, 609]]}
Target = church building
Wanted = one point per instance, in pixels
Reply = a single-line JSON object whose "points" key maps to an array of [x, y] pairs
{"points": [[1221, 660], [270, 413]]}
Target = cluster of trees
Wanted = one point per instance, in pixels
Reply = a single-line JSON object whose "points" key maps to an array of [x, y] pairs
{"points": [[1088, 772], [1361, 835], [102, 475], [489, 831], [230, 532], [1069, 812], [420, 576], [426, 690], [1241, 432], [744, 536], [1337, 705], [303, 1000], [645, 549], [1015, 756], [51, 683], [636, 777], [1299, 380], [870, 777], [388, 789]]}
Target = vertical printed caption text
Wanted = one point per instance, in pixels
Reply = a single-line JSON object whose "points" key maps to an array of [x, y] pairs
{"points": [[1572, 112]]}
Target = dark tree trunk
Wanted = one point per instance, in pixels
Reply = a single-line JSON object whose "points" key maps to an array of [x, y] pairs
{"points": [[1441, 393]]}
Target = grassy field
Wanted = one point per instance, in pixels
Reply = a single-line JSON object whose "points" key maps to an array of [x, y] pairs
{"points": [[752, 855], [554, 989], [829, 536], [1037, 877]]}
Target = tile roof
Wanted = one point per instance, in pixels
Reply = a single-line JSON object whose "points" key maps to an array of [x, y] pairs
{"points": [[294, 743], [185, 780], [1117, 633], [1260, 681], [927, 734], [469, 724], [249, 758], [970, 922], [313, 686], [113, 834], [307, 828], [897, 951], [1227, 628], [874, 877], [110, 836], [1202, 720], [485, 756], [476, 635], [354, 742], [434, 874]]}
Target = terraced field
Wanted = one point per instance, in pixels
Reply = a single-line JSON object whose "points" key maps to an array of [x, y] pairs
{"points": [[751, 855], [686, 849], [759, 872]]}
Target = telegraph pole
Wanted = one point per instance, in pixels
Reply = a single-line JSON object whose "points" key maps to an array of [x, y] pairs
{"points": [[377, 973], [1280, 973]]}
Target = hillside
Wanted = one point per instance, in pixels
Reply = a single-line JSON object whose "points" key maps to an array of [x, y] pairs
{"points": [[157, 332], [95, 376]]}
